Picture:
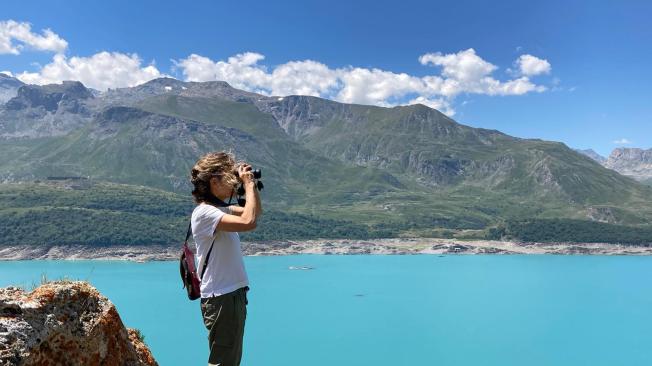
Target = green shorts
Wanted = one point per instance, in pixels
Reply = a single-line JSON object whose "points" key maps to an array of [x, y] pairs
{"points": [[224, 317]]}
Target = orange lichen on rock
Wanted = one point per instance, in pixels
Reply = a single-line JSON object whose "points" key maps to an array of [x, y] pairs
{"points": [[144, 354], [65, 323]]}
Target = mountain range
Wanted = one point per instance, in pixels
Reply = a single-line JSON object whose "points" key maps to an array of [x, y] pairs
{"points": [[632, 162], [410, 169]]}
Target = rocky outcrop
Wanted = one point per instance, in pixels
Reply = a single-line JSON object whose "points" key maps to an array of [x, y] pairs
{"points": [[633, 162], [8, 87], [66, 323], [169, 86], [602, 214], [46, 110], [51, 97], [301, 116]]}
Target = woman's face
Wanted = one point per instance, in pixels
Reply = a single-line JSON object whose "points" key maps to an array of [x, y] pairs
{"points": [[220, 189]]}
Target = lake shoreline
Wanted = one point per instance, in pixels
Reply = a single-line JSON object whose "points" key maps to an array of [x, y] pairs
{"points": [[395, 246]]}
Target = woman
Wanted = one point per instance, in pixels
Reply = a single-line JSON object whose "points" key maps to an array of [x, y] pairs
{"points": [[215, 229]]}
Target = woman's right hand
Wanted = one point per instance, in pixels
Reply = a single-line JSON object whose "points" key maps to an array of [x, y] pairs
{"points": [[245, 173]]}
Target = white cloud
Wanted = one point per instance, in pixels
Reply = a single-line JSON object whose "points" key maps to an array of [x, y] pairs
{"points": [[374, 86], [462, 66], [8, 73], [466, 72], [101, 71], [529, 65], [518, 86], [14, 36], [242, 71], [622, 141], [304, 78], [462, 72]]}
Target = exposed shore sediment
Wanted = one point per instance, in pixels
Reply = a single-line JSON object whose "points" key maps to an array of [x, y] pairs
{"points": [[323, 246]]}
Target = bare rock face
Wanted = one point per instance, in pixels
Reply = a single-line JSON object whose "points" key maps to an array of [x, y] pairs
{"points": [[633, 162], [66, 323], [50, 97], [8, 87]]}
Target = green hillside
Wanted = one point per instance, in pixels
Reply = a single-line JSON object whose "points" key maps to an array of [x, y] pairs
{"points": [[133, 146], [424, 143], [403, 171], [100, 214]]}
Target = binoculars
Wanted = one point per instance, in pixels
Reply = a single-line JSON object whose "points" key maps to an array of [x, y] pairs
{"points": [[256, 172], [241, 191]]}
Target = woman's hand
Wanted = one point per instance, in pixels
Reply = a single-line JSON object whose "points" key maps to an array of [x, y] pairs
{"points": [[245, 173]]}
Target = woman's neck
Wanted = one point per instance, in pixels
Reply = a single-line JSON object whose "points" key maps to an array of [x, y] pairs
{"points": [[211, 199]]}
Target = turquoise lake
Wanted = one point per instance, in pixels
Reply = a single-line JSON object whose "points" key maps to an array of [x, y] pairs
{"points": [[394, 310]]}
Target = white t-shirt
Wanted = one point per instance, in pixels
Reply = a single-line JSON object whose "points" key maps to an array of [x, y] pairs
{"points": [[225, 272]]}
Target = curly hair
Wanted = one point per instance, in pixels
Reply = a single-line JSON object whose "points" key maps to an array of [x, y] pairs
{"points": [[220, 165]]}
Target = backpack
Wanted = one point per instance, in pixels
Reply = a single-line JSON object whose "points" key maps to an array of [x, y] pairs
{"points": [[191, 281]]}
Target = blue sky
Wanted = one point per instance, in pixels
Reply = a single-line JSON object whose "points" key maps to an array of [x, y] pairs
{"points": [[593, 92]]}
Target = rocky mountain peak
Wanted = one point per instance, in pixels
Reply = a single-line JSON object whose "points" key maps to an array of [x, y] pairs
{"points": [[592, 154], [161, 85], [135, 94], [65, 323], [164, 86], [8, 87], [222, 90], [631, 153], [6, 80], [634, 162], [49, 96]]}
